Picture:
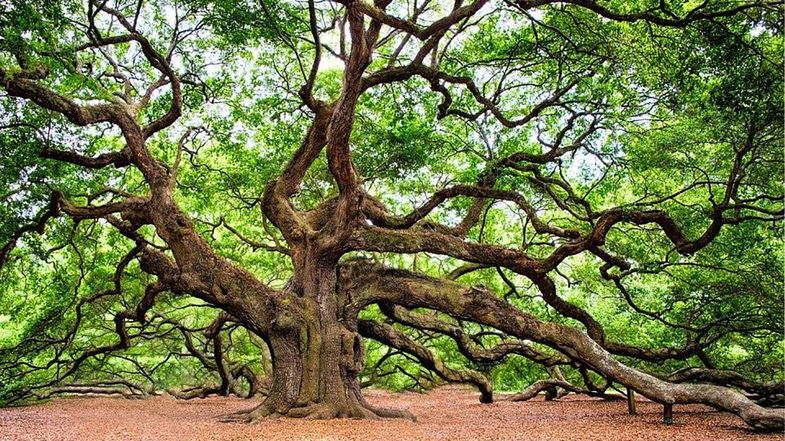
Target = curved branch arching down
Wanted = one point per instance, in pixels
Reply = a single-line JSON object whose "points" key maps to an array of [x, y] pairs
{"points": [[467, 347], [218, 361], [394, 338], [109, 387], [550, 387], [770, 393], [416, 290]]}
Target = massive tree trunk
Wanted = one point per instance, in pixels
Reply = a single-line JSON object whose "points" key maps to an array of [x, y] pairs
{"points": [[316, 351]]}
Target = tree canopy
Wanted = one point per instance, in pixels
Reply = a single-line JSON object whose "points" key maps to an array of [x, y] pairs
{"points": [[299, 199]]}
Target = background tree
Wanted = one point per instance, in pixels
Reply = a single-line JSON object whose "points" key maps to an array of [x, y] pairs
{"points": [[604, 179]]}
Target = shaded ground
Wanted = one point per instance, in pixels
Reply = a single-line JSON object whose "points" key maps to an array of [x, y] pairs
{"points": [[445, 414]]}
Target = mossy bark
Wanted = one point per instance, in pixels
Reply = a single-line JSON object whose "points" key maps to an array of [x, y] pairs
{"points": [[317, 353]]}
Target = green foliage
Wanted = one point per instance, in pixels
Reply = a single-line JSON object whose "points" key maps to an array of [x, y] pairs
{"points": [[675, 105]]}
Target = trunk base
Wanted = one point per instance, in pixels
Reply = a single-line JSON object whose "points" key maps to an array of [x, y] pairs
{"points": [[316, 411]]}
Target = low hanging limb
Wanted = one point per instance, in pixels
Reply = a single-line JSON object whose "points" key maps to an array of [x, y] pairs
{"points": [[374, 374], [497, 353], [229, 372], [466, 346], [550, 386], [394, 338], [107, 387], [771, 393], [376, 283], [66, 368]]}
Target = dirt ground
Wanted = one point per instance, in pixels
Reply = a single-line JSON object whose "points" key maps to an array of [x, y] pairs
{"points": [[448, 413]]}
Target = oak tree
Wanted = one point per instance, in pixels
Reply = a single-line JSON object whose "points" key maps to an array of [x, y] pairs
{"points": [[327, 173]]}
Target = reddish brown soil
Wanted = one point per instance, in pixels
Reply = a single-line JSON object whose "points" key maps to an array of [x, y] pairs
{"points": [[444, 414]]}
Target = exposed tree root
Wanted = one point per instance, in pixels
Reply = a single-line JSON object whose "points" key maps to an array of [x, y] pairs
{"points": [[246, 416]]}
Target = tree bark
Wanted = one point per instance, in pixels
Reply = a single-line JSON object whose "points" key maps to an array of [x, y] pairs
{"points": [[317, 353], [373, 283]]}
